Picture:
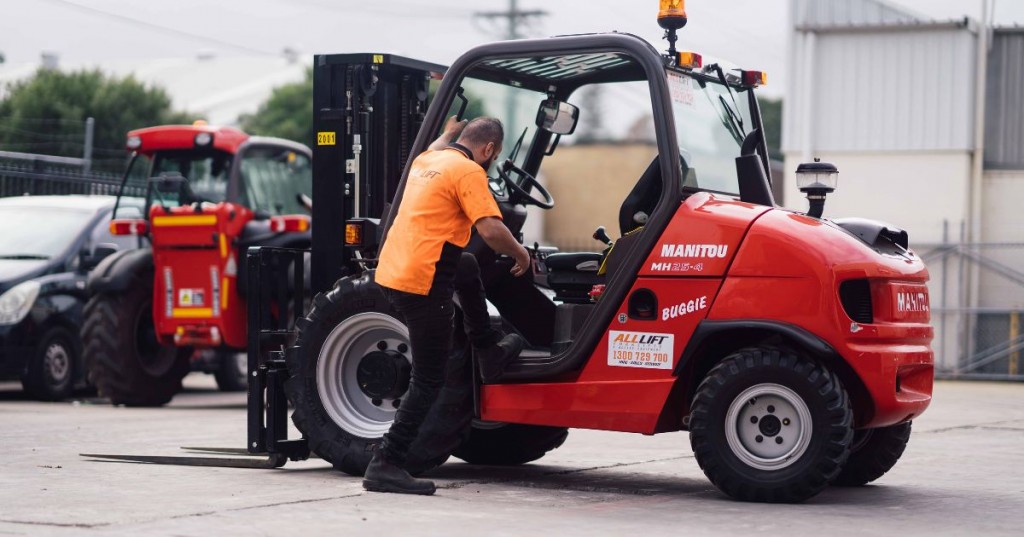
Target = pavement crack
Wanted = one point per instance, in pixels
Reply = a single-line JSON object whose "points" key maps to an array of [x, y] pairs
{"points": [[53, 524], [994, 425]]}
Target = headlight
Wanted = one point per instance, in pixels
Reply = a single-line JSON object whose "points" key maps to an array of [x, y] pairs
{"points": [[17, 301]]}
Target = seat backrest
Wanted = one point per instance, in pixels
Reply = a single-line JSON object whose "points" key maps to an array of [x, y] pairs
{"points": [[642, 199]]}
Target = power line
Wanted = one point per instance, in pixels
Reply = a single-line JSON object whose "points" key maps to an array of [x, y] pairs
{"points": [[165, 29]]}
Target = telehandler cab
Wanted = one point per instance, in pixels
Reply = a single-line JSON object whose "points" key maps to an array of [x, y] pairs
{"points": [[794, 349]]}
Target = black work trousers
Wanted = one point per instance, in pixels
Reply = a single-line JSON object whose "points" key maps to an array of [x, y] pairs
{"points": [[430, 322]]}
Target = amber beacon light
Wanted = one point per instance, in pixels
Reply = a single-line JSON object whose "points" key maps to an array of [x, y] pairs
{"points": [[671, 17]]}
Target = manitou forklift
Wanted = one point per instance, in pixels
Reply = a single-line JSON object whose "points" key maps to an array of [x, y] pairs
{"points": [[794, 349], [178, 302]]}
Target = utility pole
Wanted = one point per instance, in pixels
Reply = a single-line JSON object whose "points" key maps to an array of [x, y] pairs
{"points": [[515, 18]]}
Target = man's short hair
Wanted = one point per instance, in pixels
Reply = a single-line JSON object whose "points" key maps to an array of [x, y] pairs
{"points": [[482, 131]]}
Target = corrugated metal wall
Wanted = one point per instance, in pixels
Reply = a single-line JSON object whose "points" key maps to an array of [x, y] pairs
{"points": [[893, 90], [1004, 101], [849, 13]]}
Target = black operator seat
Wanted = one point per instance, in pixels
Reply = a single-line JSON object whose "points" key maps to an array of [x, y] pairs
{"points": [[640, 203]]}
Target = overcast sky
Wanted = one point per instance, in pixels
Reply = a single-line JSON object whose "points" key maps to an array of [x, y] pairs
{"points": [[750, 33]]}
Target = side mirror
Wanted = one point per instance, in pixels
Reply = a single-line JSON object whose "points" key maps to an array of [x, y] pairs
{"points": [[557, 117], [88, 261]]}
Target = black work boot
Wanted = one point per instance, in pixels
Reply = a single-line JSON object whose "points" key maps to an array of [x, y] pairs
{"points": [[492, 360], [382, 476]]}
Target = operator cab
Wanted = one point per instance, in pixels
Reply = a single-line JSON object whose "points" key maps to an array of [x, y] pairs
{"points": [[603, 136]]}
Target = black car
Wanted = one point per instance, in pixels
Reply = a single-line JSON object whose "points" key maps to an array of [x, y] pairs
{"points": [[47, 247]]}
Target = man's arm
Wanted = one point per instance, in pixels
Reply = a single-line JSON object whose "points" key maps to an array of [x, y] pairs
{"points": [[452, 130], [500, 239]]}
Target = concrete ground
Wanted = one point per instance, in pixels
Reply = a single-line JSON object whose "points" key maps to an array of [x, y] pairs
{"points": [[963, 472]]}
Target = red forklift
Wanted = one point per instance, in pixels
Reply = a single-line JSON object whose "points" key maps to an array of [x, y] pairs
{"points": [[178, 303], [793, 348]]}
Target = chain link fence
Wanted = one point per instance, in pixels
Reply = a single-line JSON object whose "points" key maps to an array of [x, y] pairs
{"points": [[977, 301]]}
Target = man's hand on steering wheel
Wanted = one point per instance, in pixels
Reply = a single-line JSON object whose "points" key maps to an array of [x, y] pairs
{"points": [[519, 193]]}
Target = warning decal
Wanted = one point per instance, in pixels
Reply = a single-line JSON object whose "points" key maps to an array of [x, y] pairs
{"points": [[640, 349], [191, 297]]}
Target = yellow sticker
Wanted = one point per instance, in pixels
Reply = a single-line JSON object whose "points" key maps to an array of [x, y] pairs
{"points": [[325, 138], [378, 58]]}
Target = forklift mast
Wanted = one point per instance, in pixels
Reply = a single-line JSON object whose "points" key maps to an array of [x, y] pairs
{"points": [[367, 110]]}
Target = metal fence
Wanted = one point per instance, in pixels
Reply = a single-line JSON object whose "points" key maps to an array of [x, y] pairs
{"points": [[977, 301], [30, 179]]}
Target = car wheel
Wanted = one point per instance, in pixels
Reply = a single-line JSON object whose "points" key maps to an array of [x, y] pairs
{"points": [[51, 372]]}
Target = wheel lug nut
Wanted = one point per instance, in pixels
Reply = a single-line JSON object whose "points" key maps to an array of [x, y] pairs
{"points": [[376, 402], [402, 348], [396, 403], [785, 421], [753, 419], [382, 345], [759, 439], [778, 439], [771, 409]]}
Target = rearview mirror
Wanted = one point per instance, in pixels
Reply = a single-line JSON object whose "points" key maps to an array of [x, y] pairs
{"points": [[557, 117]]}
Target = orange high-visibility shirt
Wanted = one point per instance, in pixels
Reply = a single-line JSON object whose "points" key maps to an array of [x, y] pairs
{"points": [[445, 194]]}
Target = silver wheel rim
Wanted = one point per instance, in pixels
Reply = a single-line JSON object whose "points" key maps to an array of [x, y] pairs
{"points": [[336, 367], [768, 426], [57, 362]]}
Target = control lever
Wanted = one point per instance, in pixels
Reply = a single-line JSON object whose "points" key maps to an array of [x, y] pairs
{"points": [[602, 235]]}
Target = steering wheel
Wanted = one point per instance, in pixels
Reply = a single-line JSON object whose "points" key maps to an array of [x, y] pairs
{"points": [[518, 192]]}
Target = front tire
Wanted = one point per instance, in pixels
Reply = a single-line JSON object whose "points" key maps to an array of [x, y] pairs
{"points": [[769, 425], [51, 372], [873, 453], [126, 362], [346, 381]]}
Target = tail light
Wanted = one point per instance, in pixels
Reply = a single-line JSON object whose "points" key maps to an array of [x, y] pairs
{"points": [[128, 226], [362, 233], [754, 79], [289, 224]]}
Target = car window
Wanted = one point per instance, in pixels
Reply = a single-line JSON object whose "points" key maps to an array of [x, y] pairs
{"points": [[44, 232]]}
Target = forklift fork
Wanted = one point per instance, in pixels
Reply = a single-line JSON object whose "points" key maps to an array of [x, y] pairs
{"points": [[276, 288]]}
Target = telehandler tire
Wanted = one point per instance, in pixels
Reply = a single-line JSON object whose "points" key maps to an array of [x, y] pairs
{"points": [[769, 425], [873, 453], [345, 376], [232, 373], [509, 444], [125, 361]]}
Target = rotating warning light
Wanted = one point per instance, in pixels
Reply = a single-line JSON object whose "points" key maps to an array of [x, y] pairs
{"points": [[672, 15]]}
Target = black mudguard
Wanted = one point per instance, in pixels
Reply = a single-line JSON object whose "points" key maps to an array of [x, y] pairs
{"points": [[115, 273]]}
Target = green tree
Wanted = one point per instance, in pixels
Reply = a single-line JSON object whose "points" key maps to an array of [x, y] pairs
{"points": [[771, 119], [287, 113], [46, 113]]}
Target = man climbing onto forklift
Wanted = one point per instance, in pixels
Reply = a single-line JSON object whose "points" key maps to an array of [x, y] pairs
{"points": [[422, 265]]}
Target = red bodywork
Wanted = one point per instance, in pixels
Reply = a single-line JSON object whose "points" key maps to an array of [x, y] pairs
{"points": [[172, 137], [195, 297], [721, 259]]}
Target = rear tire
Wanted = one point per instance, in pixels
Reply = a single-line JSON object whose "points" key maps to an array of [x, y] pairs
{"points": [[125, 361], [873, 453], [509, 444], [52, 369], [232, 372], [342, 424], [768, 425]]}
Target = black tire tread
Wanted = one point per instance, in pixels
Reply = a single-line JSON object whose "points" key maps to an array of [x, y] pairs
{"points": [[836, 441], [876, 457], [510, 445], [110, 357]]}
